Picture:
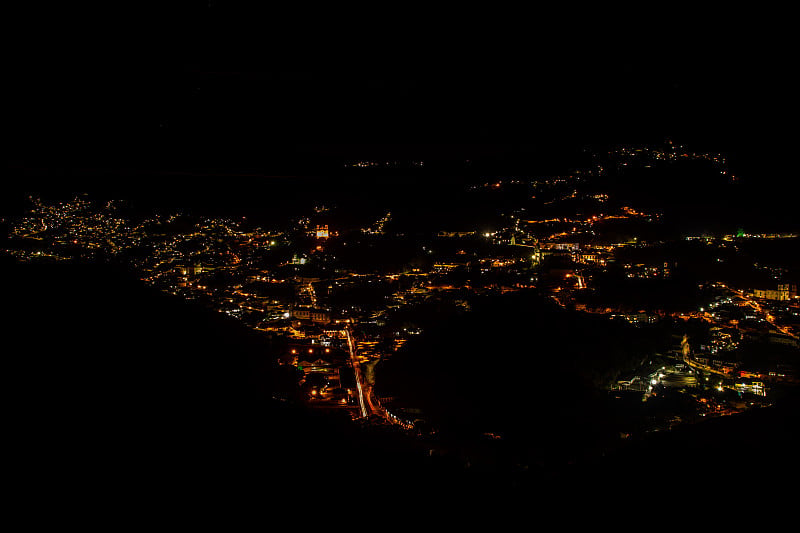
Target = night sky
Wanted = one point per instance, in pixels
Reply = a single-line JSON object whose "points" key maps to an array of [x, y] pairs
{"points": [[225, 85]]}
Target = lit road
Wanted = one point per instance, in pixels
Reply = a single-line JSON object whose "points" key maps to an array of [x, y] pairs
{"points": [[698, 366], [368, 404], [768, 317], [357, 372], [309, 288]]}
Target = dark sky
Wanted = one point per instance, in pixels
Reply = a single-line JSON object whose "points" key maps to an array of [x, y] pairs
{"points": [[224, 84]]}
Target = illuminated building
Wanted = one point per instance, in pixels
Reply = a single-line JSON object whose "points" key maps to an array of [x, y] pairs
{"points": [[566, 246], [455, 234], [320, 316], [440, 267], [780, 294], [641, 318], [753, 387]]}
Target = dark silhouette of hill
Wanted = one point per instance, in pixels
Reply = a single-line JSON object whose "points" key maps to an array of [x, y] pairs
{"points": [[116, 392], [138, 404], [694, 196], [711, 461], [525, 372], [519, 366]]}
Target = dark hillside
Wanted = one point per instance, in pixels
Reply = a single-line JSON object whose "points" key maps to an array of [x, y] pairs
{"points": [[517, 365], [116, 393]]}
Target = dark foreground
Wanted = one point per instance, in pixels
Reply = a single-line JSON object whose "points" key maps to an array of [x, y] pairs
{"points": [[123, 400]]}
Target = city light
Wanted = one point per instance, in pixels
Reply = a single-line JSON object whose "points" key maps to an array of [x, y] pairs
{"points": [[633, 307]]}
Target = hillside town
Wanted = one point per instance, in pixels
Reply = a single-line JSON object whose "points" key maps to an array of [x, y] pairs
{"points": [[346, 297]]}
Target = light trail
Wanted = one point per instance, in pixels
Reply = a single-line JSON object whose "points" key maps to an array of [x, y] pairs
{"points": [[357, 372], [374, 404]]}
